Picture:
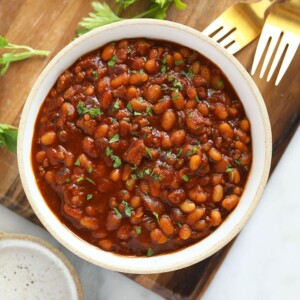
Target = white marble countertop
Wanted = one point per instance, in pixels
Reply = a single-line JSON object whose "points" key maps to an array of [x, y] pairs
{"points": [[263, 262]]}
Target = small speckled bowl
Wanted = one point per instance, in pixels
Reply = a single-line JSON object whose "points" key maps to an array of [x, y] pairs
{"points": [[30, 268], [241, 82]]}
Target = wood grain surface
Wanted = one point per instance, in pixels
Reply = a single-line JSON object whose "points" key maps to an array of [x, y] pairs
{"points": [[50, 25]]}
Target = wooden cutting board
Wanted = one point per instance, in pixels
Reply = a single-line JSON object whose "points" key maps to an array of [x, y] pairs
{"points": [[50, 25]]}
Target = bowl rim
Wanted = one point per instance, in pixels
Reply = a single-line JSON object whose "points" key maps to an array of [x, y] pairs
{"points": [[155, 264]]}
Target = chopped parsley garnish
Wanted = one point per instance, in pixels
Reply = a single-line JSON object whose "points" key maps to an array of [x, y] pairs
{"points": [[141, 99], [137, 113], [149, 252], [163, 68], [140, 174], [179, 152], [197, 98], [188, 74], [126, 119], [179, 225], [177, 84], [149, 111], [95, 75], [110, 153], [77, 162], [115, 138], [195, 149], [119, 215], [128, 209], [112, 61], [156, 216], [237, 161], [147, 171], [90, 180], [79, 179], [93, 111], [116, 105], [156, 178], [68, 180], [229, 169], [190, 115], [138, 230], [185, 177], [113, 120], [142, 71], [90, 170], [199, 127], [170, 78], [134, 167], [219, 83], [133, 176], [149, 152], [178, 62], [89, 196]]}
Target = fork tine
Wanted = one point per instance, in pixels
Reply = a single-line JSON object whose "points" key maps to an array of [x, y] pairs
{"points": [[227, 40], [273, 42], [233, 48], [214, 26], [221, 33], [292, 41]]}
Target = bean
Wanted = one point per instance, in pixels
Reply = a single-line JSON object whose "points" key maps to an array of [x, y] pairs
{"points": [[195, 215], [40, 156], [108, 52], [220, 111], [230, 202], [121, 80], [50, 177], [48, 138], [91, 210], [187, 206], [185, 232], [112, 221], [218, 192], [68, 110], [244, 125], [241, 146], [234, 176], [135, 202], [178, 137], [132, 92], [137, 63], [106, 244], [100, 233], [166, 142], [168, 119], [130, 184], [89, 223], [196, 194], [196, 66], [153, 93], [217, 179], [166, 225], [106, 99], [158, 236], [178, 100], [89, 147], [205, 73], [103, 84], [215, 154], [85, 162], [115, 175], [226, 130], [176, 196], [178, 59], [74, 212], [202, 107], [216, 218], [191, 93], [162, 105], [138, 78], [152, 66], [200, 225], [139, 106], [195, 162], [123, 232], [101, 131]]}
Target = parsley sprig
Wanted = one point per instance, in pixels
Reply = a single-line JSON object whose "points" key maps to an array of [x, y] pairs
{"points": [[18, 52], [104, 15], [8, 137]]}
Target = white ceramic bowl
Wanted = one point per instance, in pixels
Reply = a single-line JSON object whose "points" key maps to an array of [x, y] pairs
{"points": [[243, 85]]}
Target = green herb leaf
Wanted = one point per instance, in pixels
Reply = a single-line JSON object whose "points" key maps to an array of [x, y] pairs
{"points": [[179, 225], [68, 180], [93, 111], [116, 105], [128, 209], [115, 138], [90, 180], [3, 42], [112, 61], [149, 252], [89, 196], [77, 162], [180, 5], [156, 216], [229, 169], [8, 136], [149, 152], [219, 84], [129, 107], [137, 113], [95, 75], [117, 162], [176, 96], [134, 167], [147, 171], [185, 177], [237, 161], [138, 230], [119, 215], [79, 178], [149, 111], [90, 170], [178, 62]]}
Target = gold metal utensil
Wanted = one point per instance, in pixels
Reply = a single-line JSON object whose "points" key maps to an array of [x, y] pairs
{"points": [[282, 24], [238, 25]]}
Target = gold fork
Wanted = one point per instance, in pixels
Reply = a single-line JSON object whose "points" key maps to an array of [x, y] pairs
{"points": [[283, 22], [239, 25]]}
